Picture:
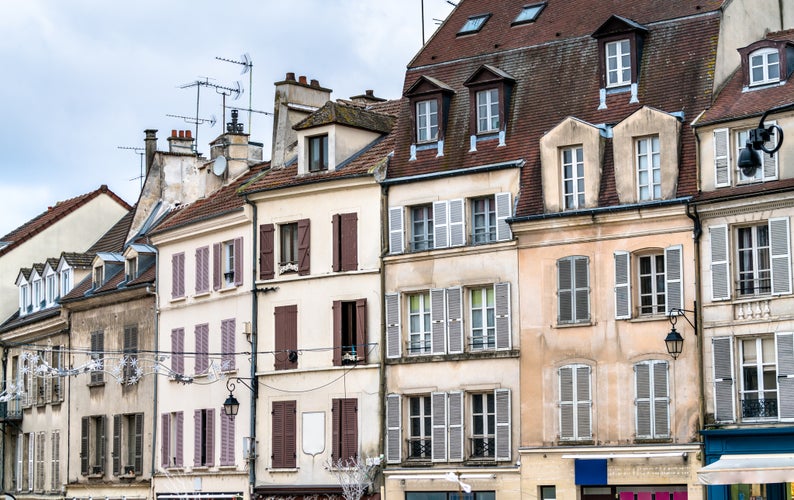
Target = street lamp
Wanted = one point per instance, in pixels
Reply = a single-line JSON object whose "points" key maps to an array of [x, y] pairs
{"points": [[749, 157], [674, 341], [231, 406]]}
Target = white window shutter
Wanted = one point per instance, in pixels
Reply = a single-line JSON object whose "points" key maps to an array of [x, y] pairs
{"points": [[722, 158], [438, 417], [440, 224], [31, 451], [455, 320], [720, 275], [455, 416], [584, 428], [393, 341], [780, 251], [503, 427], [673, 276], [438, 328], [504, 209], [396, 230], [661, 399], [784, 344], [566, 403], [457, 225], [770, 161], [393, 429], [622, 285], [723, 379], [642, 385], [504, 340]]}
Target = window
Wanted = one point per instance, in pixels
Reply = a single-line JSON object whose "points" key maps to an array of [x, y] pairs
{"points": [[55, 461], [41, 440], [24, 299], [652, 403], [204, 442], [419, 323], [52, 289], [228, 345], [651, 278], [128, 444], [267, 268], [344, 429], [350, 332], [618, 63], [295, 240], [177, 275], [758, 390], [284, 451], [483, 214], [528, 14], [131, 372], [573, 290], [92, 445], [55, 380], [66, 281], [286, 341], [420, 426], [754, 266], [421, 227], [228, 263], [427, 121], [764, 66], [98, 357], [227, 440], [726, 168], [487, 111], [573, 178], [575, 403], [203, 269], [649, 176], [178, 351], [474, 24], [483, 425], [483, 318], [99, 279], [171, 445], [132, 268], [548, 493], [318, 153], [38, 294], [202, 340], [345, 242], [655, 277]]}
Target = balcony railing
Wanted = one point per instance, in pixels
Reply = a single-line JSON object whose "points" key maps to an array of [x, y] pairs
{"points": [[754, 287], [482, 447], [11, 410], [759, 408], [418, 347], [420, 448]]}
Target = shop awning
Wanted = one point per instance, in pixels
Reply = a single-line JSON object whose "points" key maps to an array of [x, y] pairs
{"points": [[749, 469]]}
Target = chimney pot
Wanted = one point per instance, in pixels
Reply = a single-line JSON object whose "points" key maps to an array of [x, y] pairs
{"points": [[173, 132], [188, 134], [181, 134], [290, 77], [302, 79], [315, 83]]}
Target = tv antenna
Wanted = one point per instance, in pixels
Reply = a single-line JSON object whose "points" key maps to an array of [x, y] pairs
{"points": [[236, 90], [140, 152], [248, 67], [197, 121], [249, 110]]}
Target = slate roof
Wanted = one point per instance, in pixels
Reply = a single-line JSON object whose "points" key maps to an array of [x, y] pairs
{"points": [[745, 191], [75, 259], [15, 320], [349, 115], [53, 214]]}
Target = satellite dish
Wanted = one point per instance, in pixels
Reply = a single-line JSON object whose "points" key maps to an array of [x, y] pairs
{"points": [[219, 166]]}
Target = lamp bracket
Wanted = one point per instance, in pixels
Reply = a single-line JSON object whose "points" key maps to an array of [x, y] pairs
{"points": [[230, 386], [674, 314]]}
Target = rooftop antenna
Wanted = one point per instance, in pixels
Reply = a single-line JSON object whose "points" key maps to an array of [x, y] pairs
{"points": [[237, 90], [251, 111], [248, 67], [197, 121], [226, 91], [140, 152]]}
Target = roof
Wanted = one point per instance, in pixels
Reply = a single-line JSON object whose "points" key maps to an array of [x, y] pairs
{"points": [[350, 115], [75, 259], [53, 214], [745, 191], [15, 320]]}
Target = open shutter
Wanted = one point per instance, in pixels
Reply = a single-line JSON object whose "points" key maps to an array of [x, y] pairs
{"points": [[582, 288], [349, 449], [661, 400], [438, 416], [393, 429], [455, 319], [304, 243], [622, 285], [165, 448], [84, 429], [723, 379], [770, 161], [566, 403], [781, 255], [503, 427], [290, 434], [393, 342], [336, 242], [437, 321], [116, 445], [720, 277], [455, 416], [440, 224], [139, 443], [504, 210], [267, 266], [361, 330], [396, 230], [784, 344], [722, 158], [197, 438], [102, 422], [337, 313], [336, 430], [583, 403], [180, 420], [564, 291], [504, 340], [217, 271], [286, 333], [642, 379], [238, 261], [210, 435], [349, 243], [673, 277], [457, 226]]}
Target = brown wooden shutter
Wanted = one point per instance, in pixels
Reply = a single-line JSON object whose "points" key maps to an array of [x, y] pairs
{"points": [[165, 449], [361, 330], [349, 449], [277, 435], [336, 431], [336, 230], [102, 441], [217, 260], [267, 267], [290, 434], [337, 311], [139, 443], [284, 435], [286, 336], [84, 426], [304, 240], [349, 242]]}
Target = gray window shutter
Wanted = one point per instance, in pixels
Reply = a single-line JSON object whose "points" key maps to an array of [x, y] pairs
{"points": [[455, 416], [720, 276], [770, 161], [116, 445], [674, 283], [396, 230], [784, 343], [438, 416], [583, 403], [393, 343], [102, 422], [622, 285], [139, 443], [722, 158], [504, 340], [504, 210], [238, 261], [455, 319], [165, 434], [84, 430], [457, 225], [437, 321], [393, 429], [582, 288], [781, 255], [503, 427], [440, 224], [661, 399], [642, 379], [723, 379], [564, 291], [566, 403]]}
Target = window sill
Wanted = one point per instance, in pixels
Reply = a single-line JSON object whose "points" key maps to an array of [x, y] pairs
{"points": [[201, 293], [575, 325], [575, 442], [96, 384], [178, 299], [619, 88], [227, 467], [284, 470], [227, 287], [647, 318], [653, 440]]}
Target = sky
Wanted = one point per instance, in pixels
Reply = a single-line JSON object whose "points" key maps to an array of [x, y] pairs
{"points": [[81, 80]]}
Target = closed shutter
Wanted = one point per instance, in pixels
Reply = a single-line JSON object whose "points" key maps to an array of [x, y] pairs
{"points": [[504, 210], [393, 429], [31, 456], [116, 456], [564, 291], [349, 449], [178, 350], [723, 379], [440, 224], [197, 438], [336, 242], [304, 244], [784, 343], [720, 276], [457, 226], [349, 242], [84, 430], [583, 403], [393, 341], [622, 285], [202, 270], [438, 417], [286, 336], [209, 434], [361, 331], [267, 266], [98, 354], [455, 421], [673, 275], [238, 261], [202, 349], [139, 443], [396, 230], [722, 158], [642, 376], [227, 439], [770, 160], [290, 434], [503, 427], [437, 321], [504, 340], [336, 429], [165, 445], [178, 275], [180, 420], [217, 268], [55, 477], [582, 290], [566, 403], [102, 422], [337, 314], [228, 347], [781, 255], [455, 319], [661, 400]]}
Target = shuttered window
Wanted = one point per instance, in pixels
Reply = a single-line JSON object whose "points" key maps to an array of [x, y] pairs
{"points": [[178, 275], [267, 268], [203, 269], [575, 403], [656, 278], [350, 332], [178, 351], [345, 242], [418, 444], [228, 327], [55, 463], [130, 347], [41, 440], [284, 435], [573, 290], [227, 439], [286, 337], [98, 356], [344, 435], [93, 445], [304, 247], [204, 438], [396, 230], [722, 351], [202, 334], [171, 445], [652, 400]]}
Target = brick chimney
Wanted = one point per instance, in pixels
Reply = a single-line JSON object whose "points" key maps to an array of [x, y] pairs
{"points": [[181, 141], [150, 141]]}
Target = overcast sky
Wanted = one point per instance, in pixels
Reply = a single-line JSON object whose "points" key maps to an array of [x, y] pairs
{"points": [[82, 78]]}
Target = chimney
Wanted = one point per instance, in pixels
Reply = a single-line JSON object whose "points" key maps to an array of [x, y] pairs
{"points": [[368, 97], [181, 141], [150, 141], [294, 101]]}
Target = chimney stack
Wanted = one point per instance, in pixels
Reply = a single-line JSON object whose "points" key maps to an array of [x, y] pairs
{"points": [[181, 141], [150, 142], [368, 97]]}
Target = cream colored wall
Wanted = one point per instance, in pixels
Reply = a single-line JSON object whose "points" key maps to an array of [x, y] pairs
{"points": [[343, 142]]}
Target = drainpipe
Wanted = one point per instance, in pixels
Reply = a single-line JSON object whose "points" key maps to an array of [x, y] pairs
{"points": [[5, 425], [697, 231], [156, 379], [384, 234], [254, 329]]}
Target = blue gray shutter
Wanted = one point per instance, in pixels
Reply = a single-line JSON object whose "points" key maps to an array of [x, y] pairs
{"points": [[393, 429], [720, 276], [457, 225], [503, 427], [455, 319], [642, 401], [504, 340], [438, 417], [504, 210], [393, 344], [722, 158], [779, 249], [437, 321], [440, 224], [396, 230], [784, 343], [622, 286], [455, 416], [723, 379], [674, 283]]}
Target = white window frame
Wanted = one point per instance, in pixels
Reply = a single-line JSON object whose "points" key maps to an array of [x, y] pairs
{"points": [[487, 103], [616, 65], [658, 304], [228, 263], [648, 165], [482, 319], [755, 274], [37, 295], [51, 289], [421, 421], [24, 298], [764, 65], [427, 121], [66, 281], [486, 231], [760, 365], [419, 341], [426, 222], [572, 175], [488, 435]]}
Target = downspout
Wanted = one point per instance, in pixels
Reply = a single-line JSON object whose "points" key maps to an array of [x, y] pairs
{"points": [[384, 234], [697, 231], [156, 379], [5, 425], [254, 328]]}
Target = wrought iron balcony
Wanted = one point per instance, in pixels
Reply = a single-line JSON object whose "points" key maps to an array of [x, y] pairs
{"points": [[10, 411], [759, 408], [420, 448], [482, 447]]}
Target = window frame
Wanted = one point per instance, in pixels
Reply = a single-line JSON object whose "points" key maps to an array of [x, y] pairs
{"points": [[485, 110], [763, 410], [487, 311], [288, 246], [573, 185], [66, 281], [420, 427], [483, 444], [317, 161], [486, 231], [429, 129], [204, 444], [620, 68], [473, 24], [652, 167], [757, 274], [657, 299], [528, 14], [424, 345], [764, 65], [421, 241]]}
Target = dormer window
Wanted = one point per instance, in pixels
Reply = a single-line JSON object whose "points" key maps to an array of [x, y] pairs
{"points": [[430, 101], [427, 121], [24, 299], [620, 43], [132, 268], [764, 66], [66, 281], [490, 90], [38, 294], [529, 13], [487, 111], [618, 63], [52, 289], [474, 24], [99, 275], [767, 62], [318, 153]]}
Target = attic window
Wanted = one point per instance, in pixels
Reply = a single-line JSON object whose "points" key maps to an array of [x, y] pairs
{"points": [[132, 268], [764, 66], [529, 13], [474, 24]]}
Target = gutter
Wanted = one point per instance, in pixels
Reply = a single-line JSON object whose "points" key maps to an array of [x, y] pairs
{"points": [[601, 210], [452, 173]]}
